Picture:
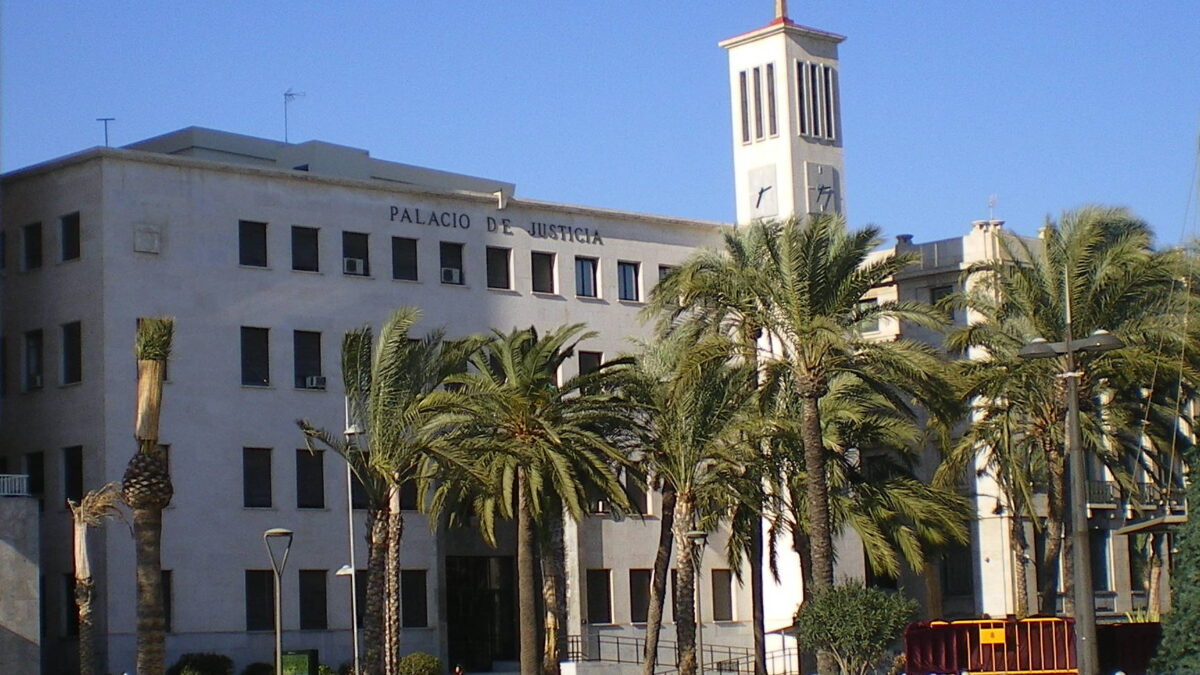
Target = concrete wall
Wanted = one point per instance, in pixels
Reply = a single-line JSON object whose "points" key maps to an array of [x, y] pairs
{"points": [[20, 625]]}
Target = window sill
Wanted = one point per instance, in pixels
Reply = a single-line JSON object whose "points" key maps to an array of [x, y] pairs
{"points": [[358, 276], [259, 508], [449, 285], [312, 508], [504, 291], [69, 260], [407, 281], [255, 267], [632, 303], [69, 385], [257, 386], [591, 298], [315, 273], [547, 294], [312, 390]]}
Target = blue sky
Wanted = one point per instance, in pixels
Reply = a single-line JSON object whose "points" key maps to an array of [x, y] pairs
{"points": [[624, 104]]}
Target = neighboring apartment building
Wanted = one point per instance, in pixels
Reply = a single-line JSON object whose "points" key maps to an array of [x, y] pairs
{"points": [[265, 253]]}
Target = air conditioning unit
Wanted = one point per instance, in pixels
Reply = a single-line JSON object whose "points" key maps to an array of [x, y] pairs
{"points": [[354, 266], [314, 382], [35, 381], [451, 275]]}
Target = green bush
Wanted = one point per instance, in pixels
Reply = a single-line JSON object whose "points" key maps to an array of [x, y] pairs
{"points": [[202, 664], [854, 624], [259, 668], [325, 670], [419, 663]]}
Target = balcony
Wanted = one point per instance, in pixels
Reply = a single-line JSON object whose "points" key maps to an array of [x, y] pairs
{"points": [[14, 485], [1150, 496]]}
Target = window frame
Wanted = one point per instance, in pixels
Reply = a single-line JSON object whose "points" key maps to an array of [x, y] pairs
{"points": [[507, 267], [70, 245], [250, 370], [259, 582], [721, 595], [413, 597], [594, 616], [71, 358], [32, 247], [312, 599], [72, 473], [300, 257], [397, 258], [452, 249], [264, 458], [33, 360], [590, 267], [249, 233], [635, 597], [310, 466], [551, 260], [350, 241], [302, 369], [634, 285]]}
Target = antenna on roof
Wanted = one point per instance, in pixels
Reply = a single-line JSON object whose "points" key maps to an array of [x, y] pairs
{"points": [[992, 199], [287, 98], [781, 9], [106, 120]]}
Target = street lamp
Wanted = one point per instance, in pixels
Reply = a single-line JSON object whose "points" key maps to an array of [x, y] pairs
{"points": [[698, 538], [1087, 658], [278, 561], [352, 429], [349, 571]]}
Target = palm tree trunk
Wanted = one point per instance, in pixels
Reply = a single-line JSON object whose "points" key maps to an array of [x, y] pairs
{"points": [[151, 626], [554, 594], [932, 576], [531, 655], [658, 583], [685, 585], [372, 629], [802, 544], [391, 590], [1157, 546], [85, 591], [758, 609], [1020, 547], [1048, 566], [816, 484]]}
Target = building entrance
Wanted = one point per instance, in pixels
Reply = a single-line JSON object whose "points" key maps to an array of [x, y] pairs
{"points": [[481, 614]]}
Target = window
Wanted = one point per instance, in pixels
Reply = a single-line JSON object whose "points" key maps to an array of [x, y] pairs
{"points": [[70, 609], [72, 353], [816, 98], [356, 257], [589, 362], [168, 605], [745, 106], [69, 239], [1098, 539], [639, 595], [313, 614], [408, 496], [73, 473], [939, 293], [758, 104], [360, 596], [358, 493], [664, 270], [864, 306], [627, 280], [256, 478], [451, 255], [599, 597], [958, 571], [256, 357], [260, 600], [802, 96], [306, 346], [543, 271], [498, 267], [635, 490], [722, 595], [306, 249], [404, 258], [413, 611], [772, 123], [310, 480], [585, 277], [31, 243], [35, 468], [815, 102], [252, 243], [827, 102], [33, 360]]}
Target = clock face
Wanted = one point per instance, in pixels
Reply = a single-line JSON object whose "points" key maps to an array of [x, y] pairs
{"points": [[763, 192], [824, 188]]}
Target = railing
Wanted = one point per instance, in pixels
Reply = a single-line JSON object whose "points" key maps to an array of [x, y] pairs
{"points": [[784, 661], [623, 649], [14, 485], [1145, 495]]}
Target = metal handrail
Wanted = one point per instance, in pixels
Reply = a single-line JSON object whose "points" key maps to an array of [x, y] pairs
{"points": [[14, 485]]}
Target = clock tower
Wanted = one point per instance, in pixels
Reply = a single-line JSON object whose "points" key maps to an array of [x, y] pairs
{"points": [[787, 140]]}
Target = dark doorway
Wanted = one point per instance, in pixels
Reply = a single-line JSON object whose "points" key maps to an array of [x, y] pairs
{"points": [[481, 611]]}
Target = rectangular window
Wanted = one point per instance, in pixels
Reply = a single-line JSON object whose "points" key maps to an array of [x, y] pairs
{"points": [[814, 87], [252, 243], [772, 122], [168, 600], [939, 293], [408, 496], [589, 362], [866, 305], [722, 595], [1099, 543], [639, 595], [358, 493], [758, 104], [745, 108], [498, 268], [827, 103], [34, 362], [73, 473], [313, 610], [72, 353], [599, 597], [585, 277], [35, 468], [360, 596], [413, 600], [306, 249], [802, 97], [451, 256], [404, 258], [306, 346], [260, 600], [31, 244], [256, 478], [635, 490], [958, 571], [256, 357], [628, 285], [356, 257], [664, 270], [69, 236], [543, 271], [310, 479], [70, 609]]}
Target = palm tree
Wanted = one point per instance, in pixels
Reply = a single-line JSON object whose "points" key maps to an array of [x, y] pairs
{"points": [[1103, 257], [543, 446], [147, 490], [90, 511], [696, 450], [387, 386]]}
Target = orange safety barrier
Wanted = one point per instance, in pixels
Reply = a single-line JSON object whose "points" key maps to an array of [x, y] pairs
{"points": [[1037, 646]]}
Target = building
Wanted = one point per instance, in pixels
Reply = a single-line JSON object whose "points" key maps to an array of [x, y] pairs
{"points": [[265, 253]]}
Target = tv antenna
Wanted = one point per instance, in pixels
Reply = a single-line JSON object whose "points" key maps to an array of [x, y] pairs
{"points": [[287, 98], [106, 120], [992, 199]]}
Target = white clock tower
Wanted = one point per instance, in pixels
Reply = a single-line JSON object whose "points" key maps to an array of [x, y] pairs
{"points": [[787, 132]]}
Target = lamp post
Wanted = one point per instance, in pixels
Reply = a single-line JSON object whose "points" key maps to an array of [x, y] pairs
{"points": [[1086, 656], [276, 534], [698, 538], [352, 430], [349, 571]]}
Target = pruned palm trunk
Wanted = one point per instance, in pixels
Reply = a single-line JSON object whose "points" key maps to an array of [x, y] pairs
{"points": [[658, 583], [1157, 547], [1048, 566], [527, 586], [1020, 547], [757, 604], [802, 544], [932, 577], [816, 485], [685, 585], [373, 623], [85, 592], [554, 594], [391, 589]]}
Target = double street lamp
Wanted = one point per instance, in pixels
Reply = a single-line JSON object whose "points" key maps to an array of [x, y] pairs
{"points": [[280, 537], [1086, 656]]}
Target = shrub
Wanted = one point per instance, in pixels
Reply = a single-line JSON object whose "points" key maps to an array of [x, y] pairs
{"points": [[419, 663], [202, 664], [855, 624], [259, 668], [326, 670]]}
